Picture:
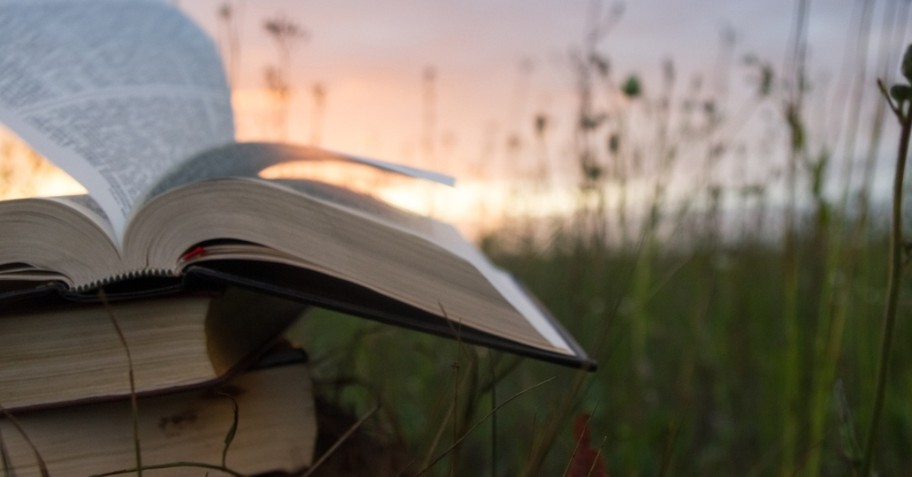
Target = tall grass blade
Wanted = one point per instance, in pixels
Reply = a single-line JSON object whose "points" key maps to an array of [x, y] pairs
{"points": [[173, 465], [134, 403], [850, 447], [232, 431], [481, 421], [42, 467], [5, 458], [341, 440]]}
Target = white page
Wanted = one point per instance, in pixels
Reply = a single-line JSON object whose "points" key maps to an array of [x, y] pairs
{"points": [[408, 171], [114, 92], [251, 158]]}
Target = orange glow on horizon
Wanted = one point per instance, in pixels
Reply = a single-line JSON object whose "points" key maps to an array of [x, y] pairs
{"points": [[29, 174], [364, 117], [474, 206]]}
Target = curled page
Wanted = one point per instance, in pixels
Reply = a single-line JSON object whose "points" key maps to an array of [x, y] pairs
{"points": [[249, 159], [114, 92], [408, 171]]}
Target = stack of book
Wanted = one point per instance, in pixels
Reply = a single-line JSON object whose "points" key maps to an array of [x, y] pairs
{"points": [[195, 254], [201, 365]]}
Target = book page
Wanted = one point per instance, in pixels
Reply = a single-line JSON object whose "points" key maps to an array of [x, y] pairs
{"points": [[444, 236], [86, 205], [251, 158], [116, 93]]}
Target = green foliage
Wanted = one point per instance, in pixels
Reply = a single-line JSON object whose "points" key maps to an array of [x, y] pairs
{"points": [[614, 143], [710, 369], [906, 65], [631, 87], [901, 92]]}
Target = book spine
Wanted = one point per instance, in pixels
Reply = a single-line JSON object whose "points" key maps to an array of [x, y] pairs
{"points": [[130, 275]]}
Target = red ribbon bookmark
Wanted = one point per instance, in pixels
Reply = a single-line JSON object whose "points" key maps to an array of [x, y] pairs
{"points": [[193, 253]]}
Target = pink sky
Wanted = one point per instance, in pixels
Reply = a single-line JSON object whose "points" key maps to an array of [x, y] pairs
{"points": [[370, 56], [497, 64]]}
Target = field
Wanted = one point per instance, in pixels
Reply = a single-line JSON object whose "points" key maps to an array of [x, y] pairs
{"points": [[701, 372], [738, 325]]}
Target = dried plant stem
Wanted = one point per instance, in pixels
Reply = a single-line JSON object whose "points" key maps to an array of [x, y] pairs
{"points": [[481, 421], [893, 282], [7, 465], [493, 417], [232, 431], [342, 440], [134, 404], [172, 465]]}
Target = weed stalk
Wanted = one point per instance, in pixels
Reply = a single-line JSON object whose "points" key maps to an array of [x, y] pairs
{"points": [[134, 404], [903, 94]]}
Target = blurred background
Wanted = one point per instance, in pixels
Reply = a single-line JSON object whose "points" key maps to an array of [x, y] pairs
{"points": [[698, 190]]}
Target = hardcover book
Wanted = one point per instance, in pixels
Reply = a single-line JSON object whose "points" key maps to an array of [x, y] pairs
{"points": [[53, 355], [130, 99], [276, 430]]}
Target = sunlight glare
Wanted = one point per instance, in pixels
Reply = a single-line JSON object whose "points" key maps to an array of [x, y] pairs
{"points": [[25, 173]]}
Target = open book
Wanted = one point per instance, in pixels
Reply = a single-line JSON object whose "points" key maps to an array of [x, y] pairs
{"points": [[130, 99]]}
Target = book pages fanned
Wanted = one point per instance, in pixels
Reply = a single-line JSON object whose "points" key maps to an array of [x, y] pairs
{"points": [[113, 92]]}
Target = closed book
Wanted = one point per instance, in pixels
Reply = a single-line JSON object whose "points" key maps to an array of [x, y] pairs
{"points": [[68, 352], [275, 430]]}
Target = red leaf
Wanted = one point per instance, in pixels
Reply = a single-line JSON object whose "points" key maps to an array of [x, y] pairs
{"points": [[586, 461]]}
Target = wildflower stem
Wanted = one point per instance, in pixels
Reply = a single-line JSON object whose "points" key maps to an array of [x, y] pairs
{"points": [[893, 281]]}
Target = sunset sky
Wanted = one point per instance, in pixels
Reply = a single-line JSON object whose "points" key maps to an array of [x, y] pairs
{"points": [[371, 55], [496, 64]]}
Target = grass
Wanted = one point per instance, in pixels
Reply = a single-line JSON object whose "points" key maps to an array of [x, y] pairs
{"points": [[723, 349], [701, 395]]}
